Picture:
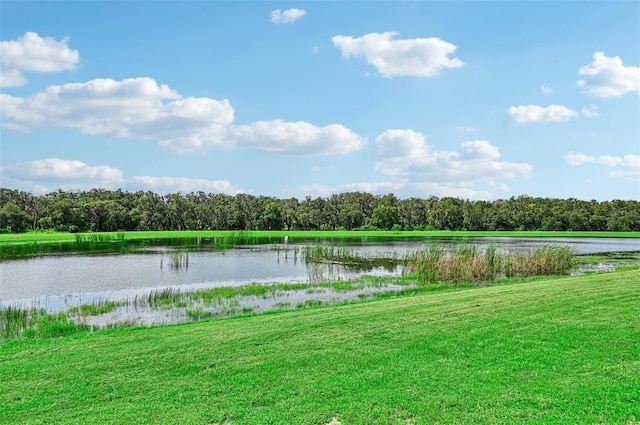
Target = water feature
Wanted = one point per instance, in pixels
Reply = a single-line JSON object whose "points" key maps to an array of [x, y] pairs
{"points": [[60, 282]]}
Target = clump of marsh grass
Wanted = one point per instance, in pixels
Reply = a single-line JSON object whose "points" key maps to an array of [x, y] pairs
{"points": [[13, 321], [95, 309], [35, 323], [237, 238], [165, 297], [466, 263], [539, 262], [177, 260], [324, 253], [99, 237]]}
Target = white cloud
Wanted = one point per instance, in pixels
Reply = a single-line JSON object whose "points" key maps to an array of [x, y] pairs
{"points": [[456, 191], [578, 159], [629, 164], [297, 138], [608, 77], [279, 16], [373, 188], [132, 108], [183, 184], [546, 90], [419, 57], [46, 175], [32, 53], [61, 169], [139, 108], [531, 114], [590, 112], [414, 168], [15, 127], [420, 189], [611, 161], [11, 78], [405, 156]]}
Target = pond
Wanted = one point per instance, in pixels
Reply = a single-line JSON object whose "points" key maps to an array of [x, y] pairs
{"points": [[59, 282]]}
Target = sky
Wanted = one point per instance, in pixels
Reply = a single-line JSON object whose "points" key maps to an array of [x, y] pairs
{"points": [[478, 100]]}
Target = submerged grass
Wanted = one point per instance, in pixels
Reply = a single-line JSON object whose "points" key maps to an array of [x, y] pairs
{"points": [[94, 309]]}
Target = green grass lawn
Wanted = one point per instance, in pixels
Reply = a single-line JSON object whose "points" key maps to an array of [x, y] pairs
{"points": [[57, 237], [563, 351]]}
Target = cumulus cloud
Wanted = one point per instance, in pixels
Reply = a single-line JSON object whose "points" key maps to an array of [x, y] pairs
{"points": [[420, 189], [418, 57], [608, 77], [53, 173], [46, 175], [183, 184], [297, 138], [532, 114], [32, 53], [411, 167], [279, 16], [373, 188], [140, 108], [61, 169], [578, 159], [404, 155], [590, 112], [441, 189], [626, 166], [135, 108]]}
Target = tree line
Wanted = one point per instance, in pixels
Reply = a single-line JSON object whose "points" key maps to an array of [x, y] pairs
{"points": [[101, 210]]}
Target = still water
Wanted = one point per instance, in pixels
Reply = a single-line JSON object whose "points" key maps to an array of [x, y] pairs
{"points": [[60, 281]]}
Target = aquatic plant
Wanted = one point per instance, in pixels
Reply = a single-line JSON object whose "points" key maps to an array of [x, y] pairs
{"points": [[96, 308], [35, 323], [178, 259], [466, 263], [233, 239]]}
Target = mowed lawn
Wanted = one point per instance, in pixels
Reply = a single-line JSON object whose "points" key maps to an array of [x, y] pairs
{"points": [[564, 351]]}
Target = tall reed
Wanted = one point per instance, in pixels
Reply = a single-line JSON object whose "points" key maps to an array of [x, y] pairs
{"points": [[177, 259], [35, 323], [466, 263]]}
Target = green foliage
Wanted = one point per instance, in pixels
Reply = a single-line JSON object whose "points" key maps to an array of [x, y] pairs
{"points": [[13, 219], [107, 211]]}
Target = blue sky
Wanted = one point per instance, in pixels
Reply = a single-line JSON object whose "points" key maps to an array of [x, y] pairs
{"points": [[478, 100]]}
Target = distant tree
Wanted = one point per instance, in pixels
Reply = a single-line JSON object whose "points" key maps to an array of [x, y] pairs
{"points": [[13, 219], [384, 217], [271, 217]]}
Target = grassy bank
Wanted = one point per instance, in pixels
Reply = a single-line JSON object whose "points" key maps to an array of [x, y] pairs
{"points": [[57, 237], [43, 243], [551, 351]]}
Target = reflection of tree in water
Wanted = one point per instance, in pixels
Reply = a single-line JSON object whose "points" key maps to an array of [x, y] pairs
{"points": [[324, 272]]}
